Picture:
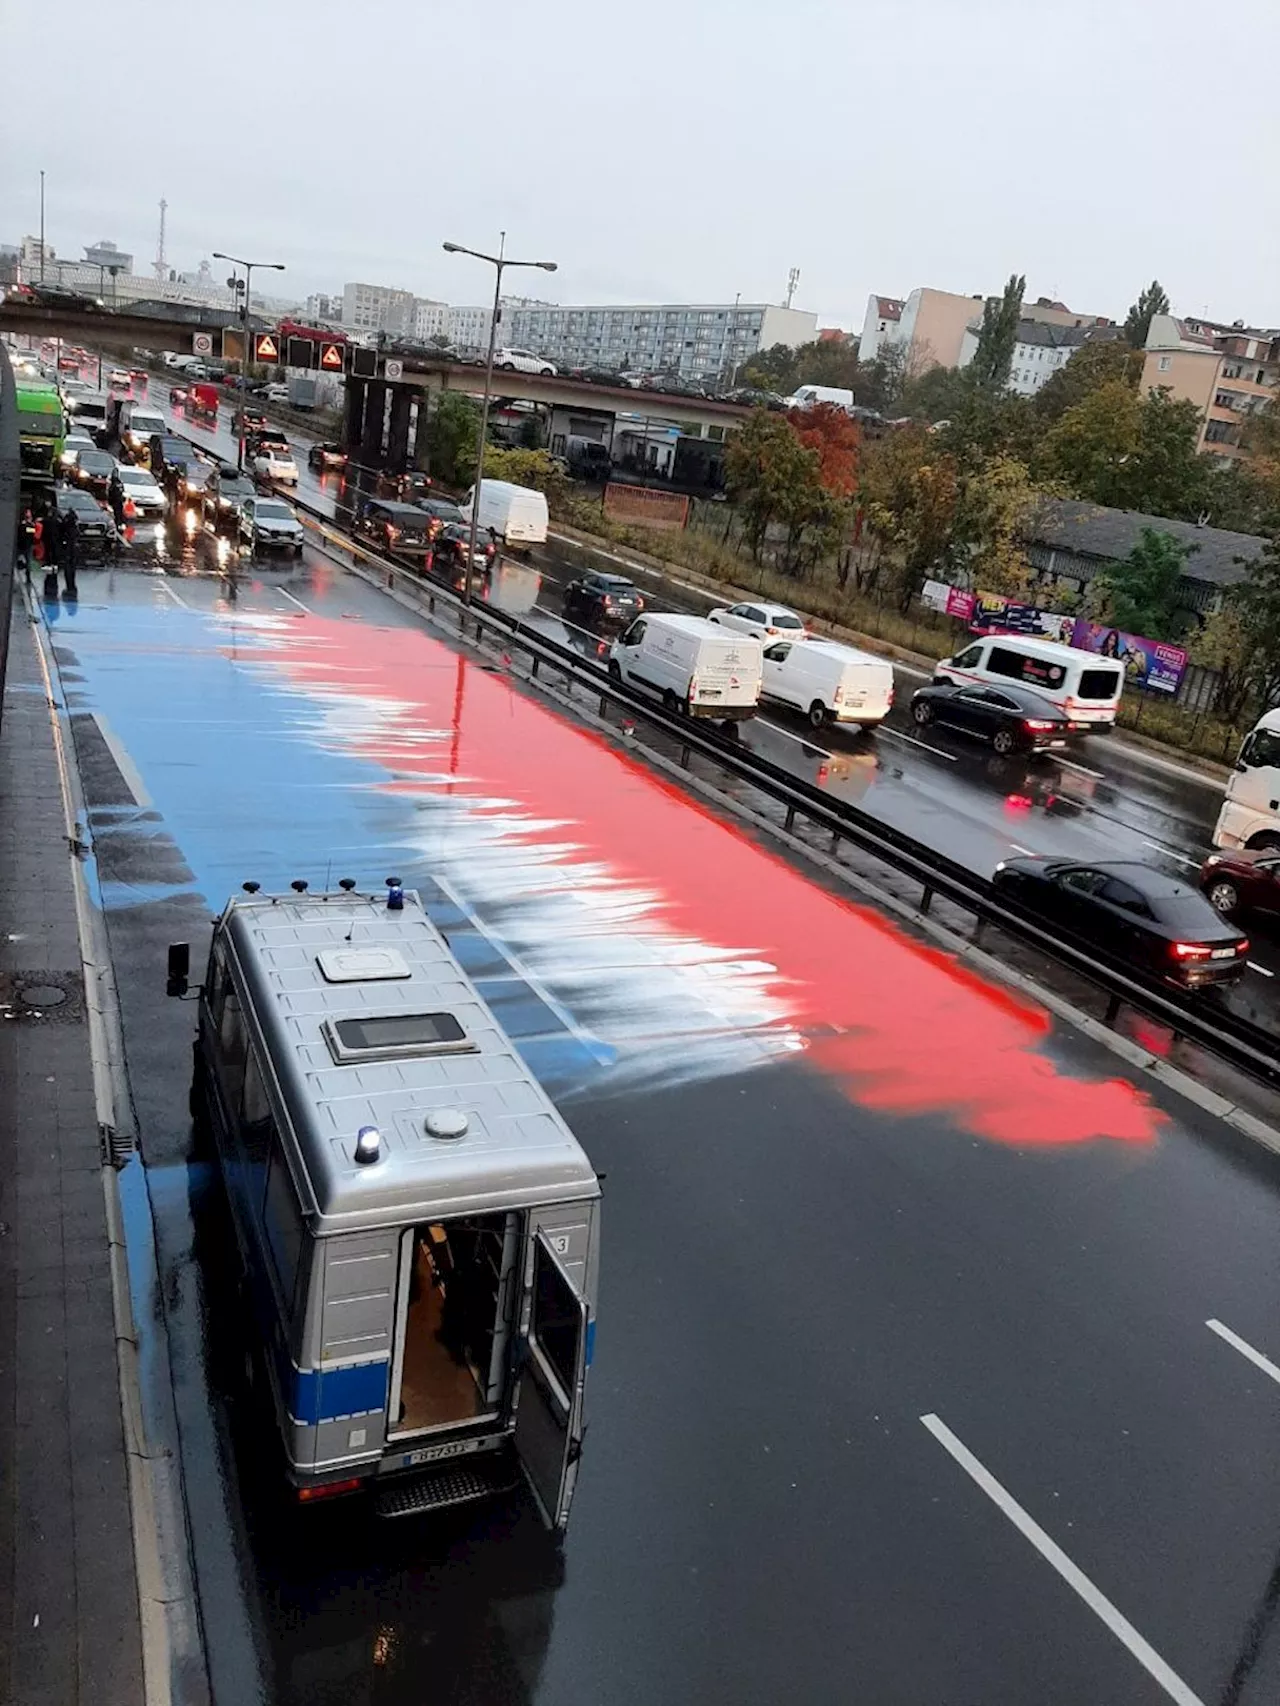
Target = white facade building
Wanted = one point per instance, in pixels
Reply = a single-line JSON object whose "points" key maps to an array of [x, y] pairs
{"points": [[378, 308], [430, 319], [1040, 350], [692, 340]]}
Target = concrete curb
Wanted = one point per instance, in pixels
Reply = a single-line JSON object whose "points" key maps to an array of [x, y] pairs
{"points": [[172, 1643], [961, 947]]}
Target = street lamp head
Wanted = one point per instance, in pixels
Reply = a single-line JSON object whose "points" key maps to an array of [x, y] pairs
{"points": [[547, 266], [452, 248]]}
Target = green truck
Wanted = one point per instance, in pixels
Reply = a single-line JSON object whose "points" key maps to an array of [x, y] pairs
{"points": [[42, 430]]}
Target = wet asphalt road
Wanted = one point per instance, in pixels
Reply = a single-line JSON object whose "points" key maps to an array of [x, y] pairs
{"points": [[849, 1186]]}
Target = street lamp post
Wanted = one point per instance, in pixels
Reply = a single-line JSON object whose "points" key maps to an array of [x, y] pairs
{"points": [[236, 261], [499, 263]]}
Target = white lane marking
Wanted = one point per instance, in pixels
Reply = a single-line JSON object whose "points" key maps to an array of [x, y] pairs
{"points": [[1070, 764], [124, 764], [285, 593], [1245, 1349], [922, 744], [1262, 971], [175, 596], [1027, 852], [799, 739], [1053, 1555], [1169, 853]]}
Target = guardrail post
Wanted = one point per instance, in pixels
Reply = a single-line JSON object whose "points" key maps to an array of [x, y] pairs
{"points": [[926, 898], [1114, 1004], [533, 666], [790, 820], [684, 757]]}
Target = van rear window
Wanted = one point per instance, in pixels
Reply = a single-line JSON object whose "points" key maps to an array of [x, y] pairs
{"points": [[1023, 666], [1099, 683]]}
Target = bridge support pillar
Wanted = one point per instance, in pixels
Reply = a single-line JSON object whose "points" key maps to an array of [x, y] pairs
{"points": [[398, 438], [422, 433], [353, 415], [375, 410]]}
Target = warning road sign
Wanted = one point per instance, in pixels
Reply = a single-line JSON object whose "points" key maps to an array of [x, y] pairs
{"points": [[331, 357], [265, 347], [393, 370], [202, 343]]}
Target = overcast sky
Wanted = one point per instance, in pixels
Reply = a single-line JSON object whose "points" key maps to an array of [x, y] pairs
{"points": [[677, 150]]}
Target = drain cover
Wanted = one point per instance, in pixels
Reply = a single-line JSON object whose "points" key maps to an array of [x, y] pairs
{"points": [[42, 995]]}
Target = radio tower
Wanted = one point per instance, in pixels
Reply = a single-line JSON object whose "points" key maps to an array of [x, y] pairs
{"points": [[792, 280], [161, 267]]}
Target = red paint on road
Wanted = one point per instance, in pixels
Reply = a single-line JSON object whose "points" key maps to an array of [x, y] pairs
{"points": [[901, 1026]]}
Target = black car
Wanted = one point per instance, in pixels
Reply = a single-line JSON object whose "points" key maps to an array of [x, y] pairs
{"points": [[449, 549], [603, 598], [411, 486], [1133, 913], [441, 510], [92, 471], [95, 526], [223, 496], [169, 455], [254, 420], [1013, 719], [325, 456], [394, 526]]}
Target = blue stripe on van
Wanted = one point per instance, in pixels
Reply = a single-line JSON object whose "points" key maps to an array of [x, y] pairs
{"points": [[591, 1341], [322, 1394]]}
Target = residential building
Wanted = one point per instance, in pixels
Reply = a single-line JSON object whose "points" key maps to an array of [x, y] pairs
{"points": [[323, 306], [1228, 372], [468, 328], [430, 319], [691, 340], [930, 325], [1040, 350], [104, 254], [378, 308], [1071, 540]]}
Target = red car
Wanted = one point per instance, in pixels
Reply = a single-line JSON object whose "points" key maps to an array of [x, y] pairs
{"points": [[1243, 881]]}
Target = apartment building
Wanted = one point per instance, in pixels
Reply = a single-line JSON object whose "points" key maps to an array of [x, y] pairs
{"points": [[1041, 348], [1228, 372], [378, 308], [932, 325], [691, 340], [430, 319]]}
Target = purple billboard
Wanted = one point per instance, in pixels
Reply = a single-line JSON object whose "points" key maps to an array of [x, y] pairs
{"points": [[1148, 663]]}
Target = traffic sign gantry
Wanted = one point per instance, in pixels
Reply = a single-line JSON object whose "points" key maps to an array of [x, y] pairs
{"points": [[331, 357], [265, 347]]}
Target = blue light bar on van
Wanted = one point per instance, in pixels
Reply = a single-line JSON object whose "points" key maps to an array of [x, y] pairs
{"points": [[368, 1145], [395, 895]]}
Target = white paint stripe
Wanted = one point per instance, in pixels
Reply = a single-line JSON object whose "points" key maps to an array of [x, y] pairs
{"points": [[1070, 764], [124, 764], [1053, 1555], [1027, 852], [922, 744], [777, 728], [176, 597], [1169, 852], [1262, 971], [1246, 1349], [285, 593]]}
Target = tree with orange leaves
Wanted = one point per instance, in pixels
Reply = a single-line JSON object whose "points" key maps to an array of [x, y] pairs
{"points": [[827, 429]]}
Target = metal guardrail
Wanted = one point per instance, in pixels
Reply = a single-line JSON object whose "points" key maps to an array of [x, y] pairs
{"points": [[1242, 1044], [10, 493]]}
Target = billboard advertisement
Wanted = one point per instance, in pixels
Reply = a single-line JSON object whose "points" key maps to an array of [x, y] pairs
{"points": [[1148, 663]]}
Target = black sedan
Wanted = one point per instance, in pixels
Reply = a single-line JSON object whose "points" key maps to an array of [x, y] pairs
{"points": [[1013, 719], [1132, 913], [441, 510], [95, 525], [92, 471], [450, 548], [325, 456], [603, 598]]}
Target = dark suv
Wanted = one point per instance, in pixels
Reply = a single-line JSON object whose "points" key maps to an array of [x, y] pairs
{"points": [[603, 598], [394, 526]]}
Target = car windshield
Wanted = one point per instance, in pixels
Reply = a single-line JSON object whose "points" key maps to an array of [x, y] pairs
{"points": [[274, 512], [80, 500], [94, 460], [134, 477]]}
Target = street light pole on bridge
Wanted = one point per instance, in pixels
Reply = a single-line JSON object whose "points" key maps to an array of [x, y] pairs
{"points": [[236, 261]]}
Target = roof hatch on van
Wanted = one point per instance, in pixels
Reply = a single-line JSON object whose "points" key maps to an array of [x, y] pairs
{"points": [[395, 1036], [361, 965]]}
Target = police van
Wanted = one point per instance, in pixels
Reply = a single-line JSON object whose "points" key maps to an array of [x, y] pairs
{"points": [[416, 1225]]}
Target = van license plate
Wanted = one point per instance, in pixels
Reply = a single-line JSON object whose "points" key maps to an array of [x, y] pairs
{"points": [[447, 1448]]}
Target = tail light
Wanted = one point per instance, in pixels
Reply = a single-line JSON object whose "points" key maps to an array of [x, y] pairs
{"points": [[1191, 950], [1242, 947], [393, 532], [837, 698], [326, 1490], [891, 693], [1037, 725], [693, 689]]}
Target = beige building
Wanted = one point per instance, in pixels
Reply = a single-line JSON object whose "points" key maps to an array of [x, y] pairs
{"points": [[932, 325], [1228, 372]]}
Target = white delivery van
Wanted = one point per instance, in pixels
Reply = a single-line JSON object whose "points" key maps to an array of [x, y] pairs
{"points": [[1083, 684], [89, 414], [691, 664], [1250, 815], [805, 395], [136, 424], [517, 514], [828, 681]]}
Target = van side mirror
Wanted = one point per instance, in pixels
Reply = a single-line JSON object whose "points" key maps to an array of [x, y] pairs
{"points": [[179, 969]]}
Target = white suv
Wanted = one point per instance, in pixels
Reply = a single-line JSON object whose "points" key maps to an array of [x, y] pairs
{"points": [[521, 361]]}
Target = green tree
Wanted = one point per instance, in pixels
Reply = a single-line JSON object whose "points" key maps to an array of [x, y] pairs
{"points": [[770, 475], [1144, 593], [1166, 475], [1222, 642], [1257, 603], [452, 436], [993, 357], [997, 501], [909, 491], [535, 468], [1137, 322], [1094, 364], [1088, 447], [772, 369]]}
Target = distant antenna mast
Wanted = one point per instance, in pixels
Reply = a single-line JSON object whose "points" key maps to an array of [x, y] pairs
{"points": [[793, 280], [161, 268]]}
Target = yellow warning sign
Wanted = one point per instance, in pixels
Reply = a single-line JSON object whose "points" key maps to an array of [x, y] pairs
{"points": [[331, 356]]}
